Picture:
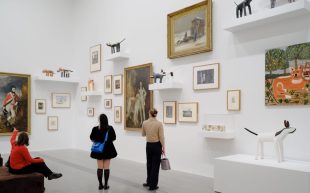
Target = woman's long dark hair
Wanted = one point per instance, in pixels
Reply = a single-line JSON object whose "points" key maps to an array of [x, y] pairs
{"points": [[23, 139], [103, 121]]}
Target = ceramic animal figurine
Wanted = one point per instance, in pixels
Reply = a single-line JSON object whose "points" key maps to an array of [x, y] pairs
{"points": [[158, 76], [241, 7], [48, 72], [65, 73], [115, 47]]}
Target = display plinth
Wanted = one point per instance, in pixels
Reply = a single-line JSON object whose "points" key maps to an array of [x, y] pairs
{"points": [[243, 174], [56, 79], [165, 86], [117, 56], [268, 16]]}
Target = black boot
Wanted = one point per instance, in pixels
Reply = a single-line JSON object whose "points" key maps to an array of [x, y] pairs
{"points": [[99, 175], [106, 179]]}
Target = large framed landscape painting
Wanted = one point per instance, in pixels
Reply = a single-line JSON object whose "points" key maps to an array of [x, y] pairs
{"points": [[190, 30], [138, 99], [287, 75], [15, 97]]}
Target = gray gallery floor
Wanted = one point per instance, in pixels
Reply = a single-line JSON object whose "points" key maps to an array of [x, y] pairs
{"points": [[79, 176]]}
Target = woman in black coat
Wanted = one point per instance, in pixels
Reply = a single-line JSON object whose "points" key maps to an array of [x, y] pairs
{"points": [[103, 159]]}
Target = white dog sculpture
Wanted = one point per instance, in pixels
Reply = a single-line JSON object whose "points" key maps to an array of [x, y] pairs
{"points": [[277, 138]]}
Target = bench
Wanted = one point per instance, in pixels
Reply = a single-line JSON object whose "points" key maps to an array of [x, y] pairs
{"points": [[23, 183]]}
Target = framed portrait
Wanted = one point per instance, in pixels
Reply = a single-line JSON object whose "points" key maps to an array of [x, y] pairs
{"points": [[206, 76], [108, 103], [188, 112], [190, 30], [83, 97], [108, 84], [233, 100], [90, 112], [61, 100], [95, 58], [52, 123], [118, 114], [15, 96], [169, 112], [118, 84], [138, 99], [40, 106]]}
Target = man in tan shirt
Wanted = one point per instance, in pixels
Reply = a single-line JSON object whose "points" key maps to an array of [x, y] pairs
{"points": [[155, 146]]}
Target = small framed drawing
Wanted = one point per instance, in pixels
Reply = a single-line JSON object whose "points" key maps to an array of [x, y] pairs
{"points": [[40, 106], [169, 112], [95, 58], [61, 100], [118, 84], [52, 123], [108, 103], [233, 100], [90, 112], [188, 112], [206, 76], [118, 114], [108, 84], [83, 97]]}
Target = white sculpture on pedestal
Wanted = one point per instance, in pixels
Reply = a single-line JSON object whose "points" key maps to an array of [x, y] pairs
{"points": [[277, 138]]}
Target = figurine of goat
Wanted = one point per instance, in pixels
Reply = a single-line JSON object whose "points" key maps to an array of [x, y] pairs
{"points": [[115, 47], [277, 138]]}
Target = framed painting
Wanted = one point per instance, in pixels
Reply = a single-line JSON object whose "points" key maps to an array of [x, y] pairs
{"points": [[206, 76], [188, 112], [108, 103], [108, 84], [287, 75], [190, 30], [61, 100], [118, 84], [52, 123], [83, 90], [138, 99], [15, 96], [233, 100], [95, 58], [40, 106], [118, 114], [169, 112], [90, 112]]}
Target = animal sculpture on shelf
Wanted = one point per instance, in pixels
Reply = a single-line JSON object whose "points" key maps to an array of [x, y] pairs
{"points": [[241, 7], [115, 47], [65, 73], [277, 138], [159, 76], [273, 2], [48, 72]]}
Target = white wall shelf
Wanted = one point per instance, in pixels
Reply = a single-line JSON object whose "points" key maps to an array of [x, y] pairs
{"points": [[268, 16], [56, 79], [92, 93], [165, 86], [219, 135], [118, 56]]}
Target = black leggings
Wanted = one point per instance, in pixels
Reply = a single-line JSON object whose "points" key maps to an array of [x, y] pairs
{"points": [[35, 167]]}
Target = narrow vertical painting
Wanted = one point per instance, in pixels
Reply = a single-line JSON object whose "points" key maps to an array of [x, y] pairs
{"points": [[15, 96], [287, 75], [138, 98]]}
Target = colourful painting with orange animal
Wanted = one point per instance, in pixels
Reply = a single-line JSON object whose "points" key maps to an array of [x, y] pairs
{"points": [[287, 75]]}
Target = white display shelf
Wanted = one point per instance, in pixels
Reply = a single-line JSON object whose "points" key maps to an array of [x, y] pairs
{"points": [[219, 135], [92, 93], [268, 16], [56, 79], [165, 86], [117, 56]]}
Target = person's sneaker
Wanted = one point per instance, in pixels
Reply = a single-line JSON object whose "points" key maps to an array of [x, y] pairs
{"points": [[54, 176], [145, 185], [153, 188]]}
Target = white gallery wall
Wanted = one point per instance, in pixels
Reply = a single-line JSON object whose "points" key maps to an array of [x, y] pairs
{"points": [[61, 33]]}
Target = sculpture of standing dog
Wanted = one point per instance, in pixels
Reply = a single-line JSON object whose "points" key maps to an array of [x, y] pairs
{"points": [[242, 8], [277, 138]]}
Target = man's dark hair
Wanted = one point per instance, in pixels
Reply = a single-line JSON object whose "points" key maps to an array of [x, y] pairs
{"points": [[23, 139]]}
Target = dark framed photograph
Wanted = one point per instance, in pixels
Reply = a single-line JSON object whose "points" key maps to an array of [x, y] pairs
{"points": [[40, 106], [138, 98], [206, 76], [190, 30]]}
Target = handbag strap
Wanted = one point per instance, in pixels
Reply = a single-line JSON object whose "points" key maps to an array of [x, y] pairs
{"points": [[106, 136]]}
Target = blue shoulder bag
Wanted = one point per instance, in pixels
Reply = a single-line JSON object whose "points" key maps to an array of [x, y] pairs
{"points": [[98, 147]]}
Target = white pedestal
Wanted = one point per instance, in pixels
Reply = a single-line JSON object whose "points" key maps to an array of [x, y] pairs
{"points": [[244, 174]]}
